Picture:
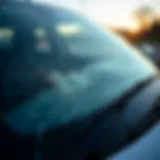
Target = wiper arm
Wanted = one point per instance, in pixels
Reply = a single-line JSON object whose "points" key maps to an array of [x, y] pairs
{"points": [[119, 105], [111, 116], [133, 91]]}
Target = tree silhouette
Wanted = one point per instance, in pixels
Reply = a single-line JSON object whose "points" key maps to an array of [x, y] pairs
{"points": [[144, 15]]}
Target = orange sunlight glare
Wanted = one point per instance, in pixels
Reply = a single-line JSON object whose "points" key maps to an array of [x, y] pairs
{"points": [[130, 25], [121, 22]]}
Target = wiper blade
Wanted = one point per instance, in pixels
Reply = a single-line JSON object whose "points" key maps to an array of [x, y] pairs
{"points": [[125, 98], [133, 91], [100, 134], [112, 116]]}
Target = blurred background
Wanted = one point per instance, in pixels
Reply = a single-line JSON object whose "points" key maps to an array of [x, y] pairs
{"points": [[138, 21]]}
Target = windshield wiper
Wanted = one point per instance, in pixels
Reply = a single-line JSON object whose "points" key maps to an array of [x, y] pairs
{"points": [[133, 91], [88, 132], [113, 112], [125, 98]]}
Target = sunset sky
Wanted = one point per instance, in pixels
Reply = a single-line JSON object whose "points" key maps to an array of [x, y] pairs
{"points": [[112, 12]]}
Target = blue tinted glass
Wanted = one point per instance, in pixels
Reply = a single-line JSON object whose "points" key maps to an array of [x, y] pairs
{"points": [[100, 69]]}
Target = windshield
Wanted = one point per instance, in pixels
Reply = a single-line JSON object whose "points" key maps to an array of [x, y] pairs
{"points": [[83, 66]]}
